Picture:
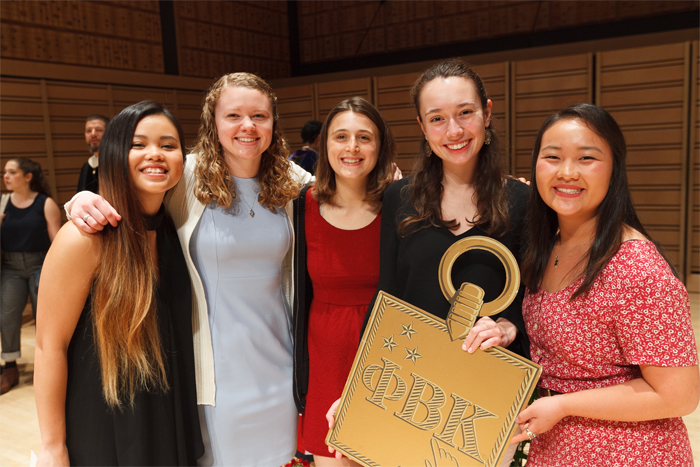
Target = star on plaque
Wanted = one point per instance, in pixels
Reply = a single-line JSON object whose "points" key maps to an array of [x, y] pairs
{"points": [[408, 331], [389, 344], [412, 355]]}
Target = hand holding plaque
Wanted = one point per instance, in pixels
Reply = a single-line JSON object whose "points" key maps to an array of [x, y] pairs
{"points": [[414, 397]]}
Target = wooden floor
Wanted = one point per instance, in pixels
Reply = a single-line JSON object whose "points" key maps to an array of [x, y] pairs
{"points": [[19, 428]]}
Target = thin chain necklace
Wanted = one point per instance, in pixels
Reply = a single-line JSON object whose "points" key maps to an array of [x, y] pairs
{"points": [[556, 256], [251, 212]]}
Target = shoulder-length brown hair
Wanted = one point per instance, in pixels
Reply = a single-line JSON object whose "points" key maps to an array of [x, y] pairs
{"points": [[383, 173], [614, 214], [211, 172], [426, 189], [123, 300]]}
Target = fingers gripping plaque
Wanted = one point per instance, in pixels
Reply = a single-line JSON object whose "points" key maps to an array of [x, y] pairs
{"points": [[468, 302]]}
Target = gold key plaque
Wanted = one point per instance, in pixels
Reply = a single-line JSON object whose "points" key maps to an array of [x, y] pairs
{"points": [[415, 398]]}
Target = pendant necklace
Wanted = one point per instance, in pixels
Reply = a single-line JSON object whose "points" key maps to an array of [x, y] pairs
{"points": [[251, 212], [556, 256]]}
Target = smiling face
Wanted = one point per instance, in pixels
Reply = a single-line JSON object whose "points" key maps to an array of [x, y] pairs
{"points": [[14, 178], [573, 170], [244, 123], [454, 121], [93, 134], [155, 160], [353, 146]]}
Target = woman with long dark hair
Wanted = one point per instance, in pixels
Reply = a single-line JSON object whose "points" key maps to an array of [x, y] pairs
{"points": [[30, 220], [607, 317], [114, 379], [233, 212], [335, 282], [458, 190]]}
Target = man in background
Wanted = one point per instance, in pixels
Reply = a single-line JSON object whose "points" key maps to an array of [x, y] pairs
{"points": [[94, 128]]}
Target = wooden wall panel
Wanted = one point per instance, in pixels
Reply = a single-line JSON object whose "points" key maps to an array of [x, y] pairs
{"points": [[540, 88], [693, 244], [215, 38], [395, 105], [296, 106], [329, 94], [336, 29], [496, 82], [645, 91], [109, 34]]}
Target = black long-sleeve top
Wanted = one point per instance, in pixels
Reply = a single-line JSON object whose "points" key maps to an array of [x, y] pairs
{"points": [[409, 263]]}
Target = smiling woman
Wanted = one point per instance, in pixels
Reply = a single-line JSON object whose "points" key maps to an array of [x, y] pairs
{"points": [[114, 379], [607, 317]]}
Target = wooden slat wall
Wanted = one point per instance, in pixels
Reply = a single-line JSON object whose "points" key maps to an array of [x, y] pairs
{"points": [[109, 34], [693, 255], [496, 81], [645, 90], [296, 105], [216, 37], [331, 93], [30, 116], [540, 88], [396, 107]]}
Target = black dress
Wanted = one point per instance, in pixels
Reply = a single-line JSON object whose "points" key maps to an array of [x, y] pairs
{"points": [[161, 428], [409, 263]]}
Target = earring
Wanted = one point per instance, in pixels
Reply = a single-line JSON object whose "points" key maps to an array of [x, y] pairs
{"points": [[487, 138]]}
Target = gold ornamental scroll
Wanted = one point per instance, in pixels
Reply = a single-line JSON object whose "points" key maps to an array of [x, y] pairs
{"points": [[415, 398]]}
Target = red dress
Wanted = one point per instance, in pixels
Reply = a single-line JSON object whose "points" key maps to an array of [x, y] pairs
{"points": [[344, 270], [636, 313]]}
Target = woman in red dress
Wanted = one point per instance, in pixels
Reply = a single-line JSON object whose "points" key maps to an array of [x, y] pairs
{"points": [[607, 317], [336, 225]]}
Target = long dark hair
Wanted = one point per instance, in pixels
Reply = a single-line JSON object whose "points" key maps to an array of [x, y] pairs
{"points": [[381, 176], [38, 182], [615, 212], [426, 189], [123, 301]]}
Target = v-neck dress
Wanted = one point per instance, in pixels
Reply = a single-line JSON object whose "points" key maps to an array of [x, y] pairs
{"points": [[636, 313], [239, 258], [409, 263]]}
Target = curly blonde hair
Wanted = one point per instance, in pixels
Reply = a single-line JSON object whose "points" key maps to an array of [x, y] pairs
{"points": [[211, 172]]}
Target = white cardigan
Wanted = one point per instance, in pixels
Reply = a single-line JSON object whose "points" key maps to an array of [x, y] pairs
{"points": [[186, 210]]}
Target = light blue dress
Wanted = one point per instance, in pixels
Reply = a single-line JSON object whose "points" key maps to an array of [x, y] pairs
{"points": [[239, 259]]}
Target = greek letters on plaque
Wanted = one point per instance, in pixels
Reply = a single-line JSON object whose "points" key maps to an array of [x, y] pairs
{"points": [[414, 398]]}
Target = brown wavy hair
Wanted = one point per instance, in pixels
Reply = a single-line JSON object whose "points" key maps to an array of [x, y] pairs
{"points": [[213, 180], [426, 189], [380, 177], [38, 182], [123, 299]]}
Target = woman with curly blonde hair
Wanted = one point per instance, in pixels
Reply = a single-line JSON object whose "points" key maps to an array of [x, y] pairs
{"points": [[232, 210]]}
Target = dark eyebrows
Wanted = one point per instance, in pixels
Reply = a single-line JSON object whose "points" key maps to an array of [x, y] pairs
{"points": [[459, 106], [161, 138]]}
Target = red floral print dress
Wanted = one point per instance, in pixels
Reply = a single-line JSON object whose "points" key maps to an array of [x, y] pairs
{"points": [[636, 313]]}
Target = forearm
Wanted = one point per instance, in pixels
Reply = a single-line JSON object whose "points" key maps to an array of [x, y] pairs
{"points": [[633, 401], [509, 330], [50, 379]]}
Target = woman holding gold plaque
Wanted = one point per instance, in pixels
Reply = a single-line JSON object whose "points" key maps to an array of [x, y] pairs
{"points": [[337, 223], [458, 191], [608, 319]]}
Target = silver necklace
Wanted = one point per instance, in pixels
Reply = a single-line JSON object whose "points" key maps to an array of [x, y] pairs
{"points": [[251, 212]]}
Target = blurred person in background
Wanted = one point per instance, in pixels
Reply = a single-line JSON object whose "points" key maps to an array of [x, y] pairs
{"points": [[30, 221], [307, 156], [94, 128]]}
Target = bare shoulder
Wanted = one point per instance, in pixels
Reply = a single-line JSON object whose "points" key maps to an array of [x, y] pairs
{"points": [[75, 247], [632, 234]]}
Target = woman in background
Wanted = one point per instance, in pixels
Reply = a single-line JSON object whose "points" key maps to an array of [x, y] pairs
{"points": [[607, 317], [114, 379], [30, 222], [337, 224]]}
